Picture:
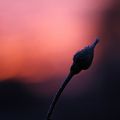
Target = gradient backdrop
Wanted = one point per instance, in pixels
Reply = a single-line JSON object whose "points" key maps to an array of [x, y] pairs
{"points": [[38, 39]]}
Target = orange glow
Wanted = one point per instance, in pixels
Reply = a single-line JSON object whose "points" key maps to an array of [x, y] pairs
{"points": [[39, 37]]}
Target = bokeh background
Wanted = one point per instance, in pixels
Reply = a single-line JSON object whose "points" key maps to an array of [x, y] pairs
{"points": [[38, 39]]}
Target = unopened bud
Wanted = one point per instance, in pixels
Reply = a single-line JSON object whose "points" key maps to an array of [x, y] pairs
{"points": [[83, 59]]}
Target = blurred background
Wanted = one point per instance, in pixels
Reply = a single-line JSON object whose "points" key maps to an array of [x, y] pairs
{"points": [[38, 39]]}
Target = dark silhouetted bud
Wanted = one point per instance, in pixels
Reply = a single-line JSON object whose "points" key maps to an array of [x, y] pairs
{"points": [[83, 59]]}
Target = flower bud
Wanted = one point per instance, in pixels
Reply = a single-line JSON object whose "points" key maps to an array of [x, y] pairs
{"points": [[83, 59]]}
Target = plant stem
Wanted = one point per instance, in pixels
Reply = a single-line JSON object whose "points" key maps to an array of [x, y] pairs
{"points": [[52, 106]]}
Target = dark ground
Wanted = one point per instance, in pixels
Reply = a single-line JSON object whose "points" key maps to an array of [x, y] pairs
{"points": [[17, 102]]}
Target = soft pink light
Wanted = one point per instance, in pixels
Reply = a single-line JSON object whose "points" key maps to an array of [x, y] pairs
{"points": [[39, 37]]}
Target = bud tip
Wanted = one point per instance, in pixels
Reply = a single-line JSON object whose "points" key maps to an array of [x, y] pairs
{"points": [[96, 42]]}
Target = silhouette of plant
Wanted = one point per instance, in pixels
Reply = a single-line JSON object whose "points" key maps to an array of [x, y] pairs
{"points": [[82, 60]]}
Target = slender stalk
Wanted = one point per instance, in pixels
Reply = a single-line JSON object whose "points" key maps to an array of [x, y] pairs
{"points": [[82, 60], [52, 106]]}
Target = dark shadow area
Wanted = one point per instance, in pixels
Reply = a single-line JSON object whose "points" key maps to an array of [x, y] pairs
{"points": [[18, 103]]}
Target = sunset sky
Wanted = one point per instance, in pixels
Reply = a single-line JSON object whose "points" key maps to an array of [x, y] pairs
{"points": [[39, 37]]}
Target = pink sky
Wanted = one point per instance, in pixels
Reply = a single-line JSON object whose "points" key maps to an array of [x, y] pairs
{"points": [[39, 37]]}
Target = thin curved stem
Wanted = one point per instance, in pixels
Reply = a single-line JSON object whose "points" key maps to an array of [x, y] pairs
{"points": [[52, 106]]}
